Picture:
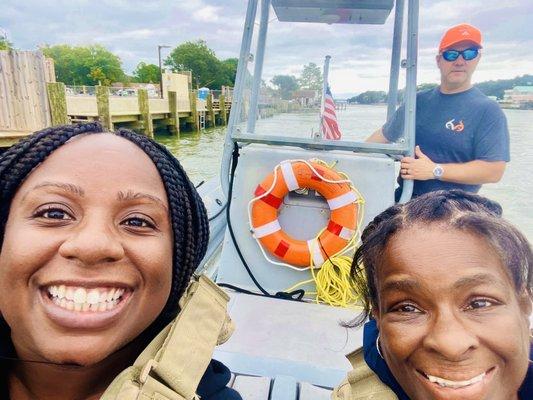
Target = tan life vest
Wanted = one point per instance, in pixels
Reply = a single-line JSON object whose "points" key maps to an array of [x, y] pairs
{"points": [[172, 365], [362, 383]]}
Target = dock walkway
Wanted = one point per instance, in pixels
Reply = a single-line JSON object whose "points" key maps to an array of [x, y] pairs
{"points": [[31, 99]]}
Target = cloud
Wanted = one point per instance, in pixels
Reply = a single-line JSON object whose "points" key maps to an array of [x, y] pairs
{"points": [[206, 14], [360, 53]]}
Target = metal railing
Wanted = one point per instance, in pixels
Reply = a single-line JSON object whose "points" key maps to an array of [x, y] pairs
{"points": [[118, 91], [80, 90]]}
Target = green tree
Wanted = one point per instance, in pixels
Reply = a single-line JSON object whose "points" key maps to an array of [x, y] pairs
{"points": [[311, 77], [497, 88], [5, 44], [371, 97], [207, 69], [229, 69], [286, 85], [147, 73], [85, 65]]}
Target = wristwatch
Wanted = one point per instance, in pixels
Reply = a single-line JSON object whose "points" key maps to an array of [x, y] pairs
{"points": [[438, 171]]}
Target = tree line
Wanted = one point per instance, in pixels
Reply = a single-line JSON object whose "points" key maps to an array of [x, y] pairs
{"points": [[494, 88], [286, 85], [94, 64]]}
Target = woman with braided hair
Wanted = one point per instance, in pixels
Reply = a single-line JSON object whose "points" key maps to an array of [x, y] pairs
{"points": [[100, 235], [447, 284]]}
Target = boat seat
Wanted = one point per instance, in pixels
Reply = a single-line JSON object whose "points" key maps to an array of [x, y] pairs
{"points": [[278, 388], [303, 342]]}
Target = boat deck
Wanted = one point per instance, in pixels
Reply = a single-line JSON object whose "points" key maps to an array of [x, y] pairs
{"points": [[279, 388], [286, 349]]}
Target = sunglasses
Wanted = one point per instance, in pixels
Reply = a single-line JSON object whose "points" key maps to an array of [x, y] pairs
{"points": [[468, 54]]}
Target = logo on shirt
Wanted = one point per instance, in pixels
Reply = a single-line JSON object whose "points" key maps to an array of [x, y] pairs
{"points": [[456, 127]]}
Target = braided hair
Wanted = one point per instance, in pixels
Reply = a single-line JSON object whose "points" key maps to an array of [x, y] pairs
{"points": [[188, 215], [453, 209]]}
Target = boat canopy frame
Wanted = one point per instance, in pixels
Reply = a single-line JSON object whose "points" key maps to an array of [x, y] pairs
{"points": [[402, 147]]}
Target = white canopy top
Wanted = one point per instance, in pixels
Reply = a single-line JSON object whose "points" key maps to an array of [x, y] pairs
{"points": [[333, 11]]}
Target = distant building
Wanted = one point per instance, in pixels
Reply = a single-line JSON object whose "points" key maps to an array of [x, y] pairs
{"points": [[307, 97], [518, 97]]}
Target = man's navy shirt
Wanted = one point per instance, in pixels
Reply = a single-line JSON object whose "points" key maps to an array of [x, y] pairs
{"points": [[454, 128]]}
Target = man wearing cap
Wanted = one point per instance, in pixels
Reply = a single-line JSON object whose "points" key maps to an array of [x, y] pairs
{"points": [[462, 140]]}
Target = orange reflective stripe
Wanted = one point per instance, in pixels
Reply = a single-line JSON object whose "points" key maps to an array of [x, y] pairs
{"points": [[334, 228], [282, 248], [270, 199]]}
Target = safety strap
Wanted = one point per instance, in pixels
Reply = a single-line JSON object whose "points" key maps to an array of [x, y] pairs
{"points": [[172, 365], [361, 382], [342, 200], [288, 176], [266, 229], [315, 252]]}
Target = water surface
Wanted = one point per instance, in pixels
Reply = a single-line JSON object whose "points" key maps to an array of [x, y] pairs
{"points": [[200, 153]]}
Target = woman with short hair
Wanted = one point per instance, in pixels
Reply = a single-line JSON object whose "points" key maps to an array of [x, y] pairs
{"points": [[448, 285]]}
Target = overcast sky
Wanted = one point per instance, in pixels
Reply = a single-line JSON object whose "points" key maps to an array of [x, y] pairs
{"points": [[132, 29]]}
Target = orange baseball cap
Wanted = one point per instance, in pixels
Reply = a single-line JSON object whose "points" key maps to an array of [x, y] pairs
{"points": [[460, 33]]}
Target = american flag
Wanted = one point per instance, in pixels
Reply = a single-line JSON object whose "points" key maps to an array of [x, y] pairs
{"points": [[330, 127]]}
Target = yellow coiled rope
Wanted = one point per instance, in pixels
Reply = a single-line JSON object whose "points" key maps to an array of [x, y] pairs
{"points": [[332, 278]]}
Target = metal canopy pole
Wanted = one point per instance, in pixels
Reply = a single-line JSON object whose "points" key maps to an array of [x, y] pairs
{"points": [[395, 58], [410, 91], [236, 105], [258, 68]]}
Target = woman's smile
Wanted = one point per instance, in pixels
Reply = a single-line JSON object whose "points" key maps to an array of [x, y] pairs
{"points": [[92, 306], [453, 388]]}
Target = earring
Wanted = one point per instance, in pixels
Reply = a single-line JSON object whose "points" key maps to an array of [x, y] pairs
{"points": [[377, 346]]}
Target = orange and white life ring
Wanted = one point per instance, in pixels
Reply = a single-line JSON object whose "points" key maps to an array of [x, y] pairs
{"points": [[342, 201]]}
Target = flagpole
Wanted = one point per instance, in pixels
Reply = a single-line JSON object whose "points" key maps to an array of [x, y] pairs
{"points": [[325, 74]]}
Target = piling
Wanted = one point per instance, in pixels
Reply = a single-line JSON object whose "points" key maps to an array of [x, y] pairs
{"points": [[223, 112], [193, 98], [144, 108], [58, 103], [102, 104], [174, 121], [211, 111]]}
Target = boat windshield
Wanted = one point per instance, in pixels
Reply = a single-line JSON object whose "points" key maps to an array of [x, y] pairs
{"points": [[292, 88]]}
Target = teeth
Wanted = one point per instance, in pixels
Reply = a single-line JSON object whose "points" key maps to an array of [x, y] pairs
{"points": [[118, 293], [81, 299], [80, 295], [93, 297], [103, 297], [455, 384]]}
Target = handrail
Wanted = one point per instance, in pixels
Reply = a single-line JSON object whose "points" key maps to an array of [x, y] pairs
{"points": [[322, 144]]}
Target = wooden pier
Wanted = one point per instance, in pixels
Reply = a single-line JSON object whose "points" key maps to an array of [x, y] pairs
{"points": [[30, 100]]}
